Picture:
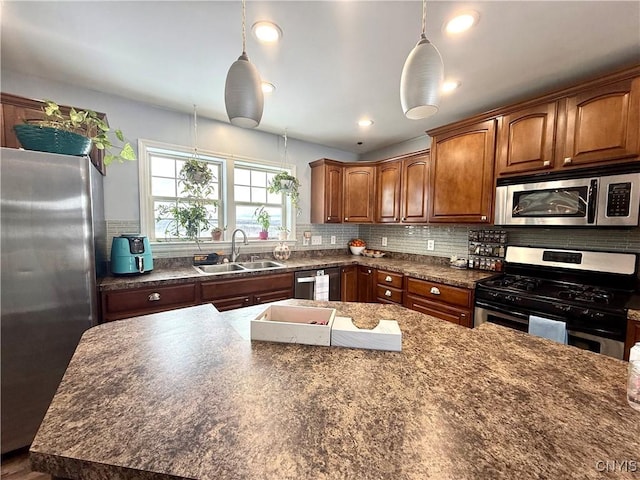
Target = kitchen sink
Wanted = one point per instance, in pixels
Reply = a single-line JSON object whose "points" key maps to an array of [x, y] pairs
{"points": [[237, 267], [260, 265], [222, 268]]}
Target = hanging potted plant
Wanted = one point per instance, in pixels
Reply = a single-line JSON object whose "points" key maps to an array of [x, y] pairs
{"points": [[191, 215], [72, 134], [264, 220], [286, 183]]}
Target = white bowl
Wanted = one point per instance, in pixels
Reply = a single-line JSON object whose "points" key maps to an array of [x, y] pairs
{"points": [[356, 250]]}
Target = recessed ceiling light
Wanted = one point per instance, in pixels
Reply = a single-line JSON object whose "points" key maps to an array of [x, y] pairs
{"points": [[267, 32], [268, 87], [450, 86], [462, 22], [365, 122]]}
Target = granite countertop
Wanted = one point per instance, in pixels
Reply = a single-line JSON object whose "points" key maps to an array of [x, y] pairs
{"points": [[186, 395], [435, 272]]}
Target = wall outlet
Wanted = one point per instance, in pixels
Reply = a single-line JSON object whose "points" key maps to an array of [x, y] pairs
{"points": [[431, 245], [305, 241], [333, 239], [316, 240], [384, 241]]}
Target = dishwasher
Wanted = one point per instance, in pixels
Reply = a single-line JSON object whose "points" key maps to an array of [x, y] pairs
{"points": [[306, 282]]}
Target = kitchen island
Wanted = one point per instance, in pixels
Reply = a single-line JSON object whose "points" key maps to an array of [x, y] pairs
{"points": [[185, 394]]}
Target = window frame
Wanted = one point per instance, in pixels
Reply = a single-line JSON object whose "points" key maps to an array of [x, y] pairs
{"points": [[146, 148]]}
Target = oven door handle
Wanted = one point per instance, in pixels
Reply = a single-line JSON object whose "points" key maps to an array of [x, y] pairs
{"points": [[592, 201], [503, 310]]}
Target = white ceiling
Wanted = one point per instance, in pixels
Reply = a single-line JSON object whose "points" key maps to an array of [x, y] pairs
{"points": [[338, 61]]}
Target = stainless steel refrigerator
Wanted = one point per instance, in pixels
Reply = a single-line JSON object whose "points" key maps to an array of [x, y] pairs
{"points": [[52, 249]]}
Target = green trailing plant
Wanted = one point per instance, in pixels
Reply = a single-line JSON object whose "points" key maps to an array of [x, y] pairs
{"points": [[262, 218], [191, 214], [88, 124], [286, 183]]}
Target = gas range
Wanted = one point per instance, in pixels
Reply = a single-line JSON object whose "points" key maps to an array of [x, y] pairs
{"points": [[586, 290]]}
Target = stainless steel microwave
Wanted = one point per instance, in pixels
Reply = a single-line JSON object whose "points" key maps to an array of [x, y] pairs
{"points": [[591, 200]]}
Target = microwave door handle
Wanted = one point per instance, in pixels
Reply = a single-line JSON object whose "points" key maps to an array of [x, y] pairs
{"points": [[592, 201]]}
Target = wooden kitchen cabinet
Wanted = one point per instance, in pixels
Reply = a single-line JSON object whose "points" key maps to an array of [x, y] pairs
{"points": [[366, 284], [15, 110], [633, 336], [602, 125], [118, 304], [526, 140], [389, 287], [402, 190], [461, 185], [326, 191], [453, 304], [359, 193], [228, 294], [349, 283]]}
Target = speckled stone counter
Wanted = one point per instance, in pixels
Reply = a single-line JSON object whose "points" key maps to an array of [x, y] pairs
{"points": [[435, 272], [186, 395]]}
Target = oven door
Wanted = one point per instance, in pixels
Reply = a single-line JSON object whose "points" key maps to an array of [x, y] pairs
{"points": [[562, 202], [518, 321]]}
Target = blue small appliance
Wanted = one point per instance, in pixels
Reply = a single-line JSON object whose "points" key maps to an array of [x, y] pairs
{"points": [[131, 254]]}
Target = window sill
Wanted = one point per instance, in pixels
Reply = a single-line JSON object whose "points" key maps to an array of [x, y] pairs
{"points": [[169, 249]]}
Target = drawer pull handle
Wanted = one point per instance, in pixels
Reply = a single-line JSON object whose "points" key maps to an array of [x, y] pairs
{"points": [[387, 293], [154, 297], [567, 160], [388, 278], [258, 299], [435, 290]]}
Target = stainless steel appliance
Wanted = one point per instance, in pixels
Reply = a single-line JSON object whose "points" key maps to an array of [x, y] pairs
{"points": [[596, 198], [52, 211], [586, 290], [306, 280]]}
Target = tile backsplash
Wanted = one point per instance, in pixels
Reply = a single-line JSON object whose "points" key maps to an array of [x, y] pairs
{"points": [[447, 240]]}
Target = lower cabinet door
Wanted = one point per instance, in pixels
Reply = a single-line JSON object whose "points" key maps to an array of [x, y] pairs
{"points": [[232, 303], [450, 314]]}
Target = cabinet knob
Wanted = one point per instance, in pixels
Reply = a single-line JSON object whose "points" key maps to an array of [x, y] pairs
{"points": [[404, 219], [369, 270], [328, 218], [246, 300], [388, 278], [546, 163], [567, 160], [483, 217], [395, 219], [435, 290], [154, 297], [346, 219], [387, 293], [257, 299]]}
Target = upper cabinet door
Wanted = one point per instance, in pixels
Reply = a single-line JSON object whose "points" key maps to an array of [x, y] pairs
{"points": [[602, 125], [389, 176], [326, 191], [526, 140], [462, 186], [415, 187], [359, 194]]}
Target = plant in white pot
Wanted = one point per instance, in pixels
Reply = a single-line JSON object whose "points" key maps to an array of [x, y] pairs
{"points": [[286, 183], [72, 134], [264, 220]]}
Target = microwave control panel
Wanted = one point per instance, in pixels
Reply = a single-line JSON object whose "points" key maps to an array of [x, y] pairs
{"points": [[619, 199]]}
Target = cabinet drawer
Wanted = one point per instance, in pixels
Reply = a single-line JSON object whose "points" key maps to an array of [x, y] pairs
{"points": [[246, 286], [389, 278], [149, 299], [390, 294], [455, 315], [232, 303], [272, 296], [439, 292]]}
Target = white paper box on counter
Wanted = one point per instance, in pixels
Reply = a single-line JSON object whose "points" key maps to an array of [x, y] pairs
{"points": [[385, 336], [287, 324]]}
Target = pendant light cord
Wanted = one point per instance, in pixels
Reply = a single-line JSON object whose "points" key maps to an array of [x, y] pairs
{"points": [[424, 18], [244, 34], [195, 129]]}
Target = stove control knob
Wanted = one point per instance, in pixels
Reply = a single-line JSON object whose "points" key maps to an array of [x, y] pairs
{"points": [[564, 308], [512, 298]]}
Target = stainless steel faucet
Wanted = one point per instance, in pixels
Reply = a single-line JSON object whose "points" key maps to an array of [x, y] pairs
{"points": [[235, 252]]}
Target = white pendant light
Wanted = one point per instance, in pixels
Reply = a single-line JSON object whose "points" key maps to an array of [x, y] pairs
{"points": [[422, 76], [243, 97]]}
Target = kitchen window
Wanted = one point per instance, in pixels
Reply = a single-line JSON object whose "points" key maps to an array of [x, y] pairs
{"points": [[240, 188]]}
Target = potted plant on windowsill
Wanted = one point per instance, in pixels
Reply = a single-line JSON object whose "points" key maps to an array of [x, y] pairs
{"points": [[283, 233], [191, 215], [216, 233], [286, 183], [72, 134], [264, 220]]}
